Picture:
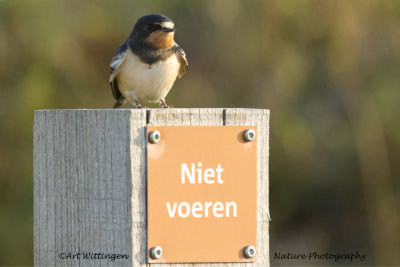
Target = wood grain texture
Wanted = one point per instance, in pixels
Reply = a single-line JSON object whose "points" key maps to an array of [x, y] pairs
{"points": [[90, 181], [82, 185], [138, 142]]}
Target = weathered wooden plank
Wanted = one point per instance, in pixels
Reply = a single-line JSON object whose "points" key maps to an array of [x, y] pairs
{"points": [[138, 142], [90, 181], [82, 183]]}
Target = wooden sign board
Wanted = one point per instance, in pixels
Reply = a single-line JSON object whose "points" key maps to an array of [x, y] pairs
{"points": [[202, 194]]}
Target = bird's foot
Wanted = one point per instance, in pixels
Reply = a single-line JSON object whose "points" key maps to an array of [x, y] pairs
{"points": [[138, 105], [164, 104]]}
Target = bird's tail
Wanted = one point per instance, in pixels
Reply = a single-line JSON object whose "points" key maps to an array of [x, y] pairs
{"points": [[119, 102]]}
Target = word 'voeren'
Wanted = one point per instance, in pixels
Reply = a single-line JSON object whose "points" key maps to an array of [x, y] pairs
{"points": [[200, 209], [196, 175]]}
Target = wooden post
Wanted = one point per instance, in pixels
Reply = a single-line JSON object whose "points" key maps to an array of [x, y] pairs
{"points": [[90, 182]]}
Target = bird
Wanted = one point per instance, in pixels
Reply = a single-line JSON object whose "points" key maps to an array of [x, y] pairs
{"points": [[147, 64]]}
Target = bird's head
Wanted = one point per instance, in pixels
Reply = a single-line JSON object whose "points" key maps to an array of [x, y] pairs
{"points": [[154, 31]]}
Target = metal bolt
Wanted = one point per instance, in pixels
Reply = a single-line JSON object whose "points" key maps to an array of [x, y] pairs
{"points": [[154, 137], [249, 135], [156, 252], [249, 252]]}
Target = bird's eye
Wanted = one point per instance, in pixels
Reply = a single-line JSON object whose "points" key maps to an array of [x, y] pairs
{"points": [[153, 27]]}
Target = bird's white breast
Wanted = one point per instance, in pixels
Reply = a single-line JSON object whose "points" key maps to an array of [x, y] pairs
{"points": [[140, 81]]}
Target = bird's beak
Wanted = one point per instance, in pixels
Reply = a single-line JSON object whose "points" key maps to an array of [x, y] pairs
{"points": [[168, 30]]}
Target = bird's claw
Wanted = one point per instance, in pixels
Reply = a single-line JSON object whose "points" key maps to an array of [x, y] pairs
{"points": [[139, 106], [163, 103]]}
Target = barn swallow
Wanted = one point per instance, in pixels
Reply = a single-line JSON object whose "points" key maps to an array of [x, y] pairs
{"points": [[147, 63]]}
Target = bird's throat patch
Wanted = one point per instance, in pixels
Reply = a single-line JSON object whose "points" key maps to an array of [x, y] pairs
{"points": [[161, 39]]}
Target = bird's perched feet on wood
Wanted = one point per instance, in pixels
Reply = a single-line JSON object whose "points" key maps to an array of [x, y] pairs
{"points": [[164, 104], [138, 105]]}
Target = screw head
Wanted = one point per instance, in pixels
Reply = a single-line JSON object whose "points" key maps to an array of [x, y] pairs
{"points": [[249, 252], [249, 135], [156, 252], [154, 137]]}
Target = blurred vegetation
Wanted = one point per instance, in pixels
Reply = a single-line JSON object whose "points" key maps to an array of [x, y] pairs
{"points": [[327, 70]]}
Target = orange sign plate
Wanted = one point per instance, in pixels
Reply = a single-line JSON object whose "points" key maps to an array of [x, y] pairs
{"points": [[202, 193]]}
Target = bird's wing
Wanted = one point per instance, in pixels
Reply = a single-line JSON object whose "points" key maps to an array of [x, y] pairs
{"points": [[182, 60], [116, 62]]}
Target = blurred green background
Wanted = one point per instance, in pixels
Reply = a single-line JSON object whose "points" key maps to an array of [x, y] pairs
{"points": [[329, 71]]}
